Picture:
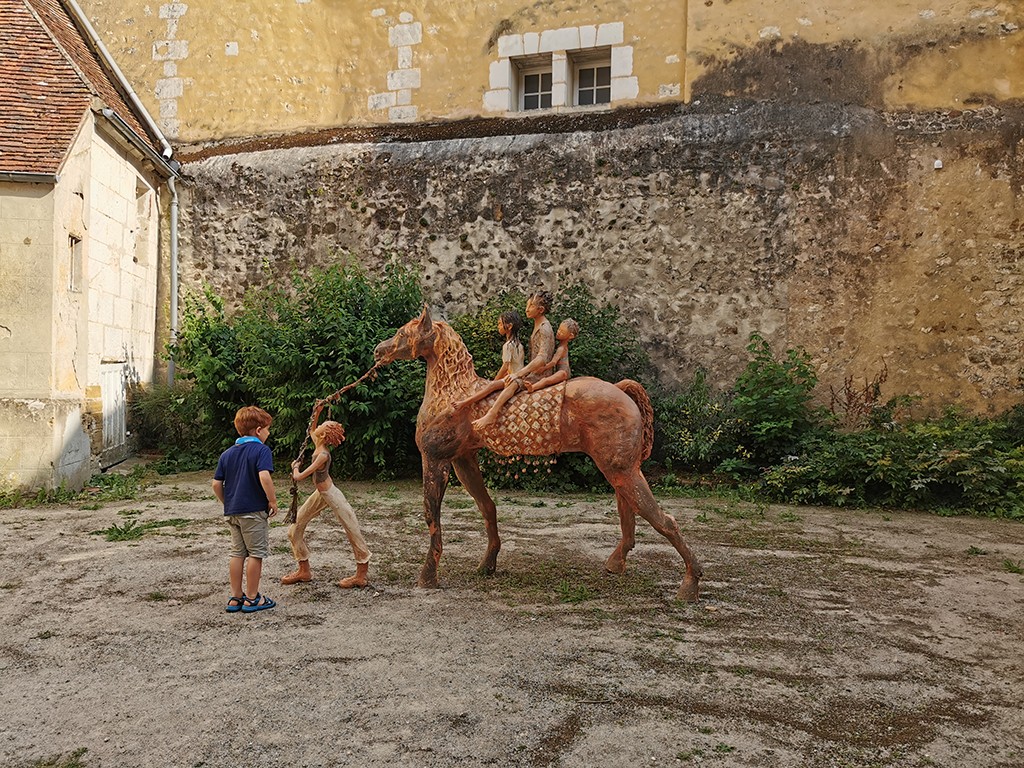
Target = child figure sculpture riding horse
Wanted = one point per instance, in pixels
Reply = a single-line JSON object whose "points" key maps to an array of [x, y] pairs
{"points": [[612, 423]]}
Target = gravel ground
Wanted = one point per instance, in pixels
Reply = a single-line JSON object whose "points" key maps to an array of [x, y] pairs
{"points": [[823, 638]]}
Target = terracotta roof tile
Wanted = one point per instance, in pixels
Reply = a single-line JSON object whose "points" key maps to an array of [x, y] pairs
{"points": [[48, 78]]}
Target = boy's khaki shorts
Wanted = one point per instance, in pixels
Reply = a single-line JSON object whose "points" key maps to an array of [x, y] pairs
{"points": [[249, 535]]}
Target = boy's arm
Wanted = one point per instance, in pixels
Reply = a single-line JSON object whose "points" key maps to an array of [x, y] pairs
{"points": [[268, 488], [218, 490]]}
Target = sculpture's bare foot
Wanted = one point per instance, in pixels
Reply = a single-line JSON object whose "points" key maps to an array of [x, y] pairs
{"points": [[688, 590], [483, 423], [303, 574], [616, 563], [358, 579]]}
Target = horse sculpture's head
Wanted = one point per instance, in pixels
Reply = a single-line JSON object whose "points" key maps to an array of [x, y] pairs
{"points": [[414, 339]]}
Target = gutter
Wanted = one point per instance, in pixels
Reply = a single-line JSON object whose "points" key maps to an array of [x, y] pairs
{"points": [[29, 178]]}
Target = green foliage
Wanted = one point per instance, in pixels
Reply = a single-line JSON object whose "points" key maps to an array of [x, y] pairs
{"points": [[697, 427], [110, 486], [772, 401], [949, 465], [287, 347], [606, 347]]}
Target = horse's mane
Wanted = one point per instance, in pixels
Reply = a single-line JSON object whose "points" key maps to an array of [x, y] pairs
{"points": [[455, 372]]}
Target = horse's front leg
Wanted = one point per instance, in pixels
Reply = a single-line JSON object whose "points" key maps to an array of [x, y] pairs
{"points": [[435, 481], [467, 469]]}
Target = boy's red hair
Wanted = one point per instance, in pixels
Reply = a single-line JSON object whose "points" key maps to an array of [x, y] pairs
{"points": [[250, 418]]}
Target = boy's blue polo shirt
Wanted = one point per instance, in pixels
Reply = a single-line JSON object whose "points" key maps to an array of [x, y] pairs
{"points": [[239, 469]]}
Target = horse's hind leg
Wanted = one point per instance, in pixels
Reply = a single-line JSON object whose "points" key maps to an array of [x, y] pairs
{"points": [[616, 562], [435, 481], [468, 471], [633, 489]]}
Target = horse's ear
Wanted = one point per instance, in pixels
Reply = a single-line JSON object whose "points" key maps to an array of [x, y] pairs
{"points": [[426, 322]]}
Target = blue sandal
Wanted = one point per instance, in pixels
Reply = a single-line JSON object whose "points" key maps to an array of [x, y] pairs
{"points": [[258, 603], [235, 604]]}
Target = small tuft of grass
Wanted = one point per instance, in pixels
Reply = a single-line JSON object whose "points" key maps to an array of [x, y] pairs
{"points": [[1012, 567], [972, 550], [574, 593], [74, 760], [46, 634], [157, 597]]}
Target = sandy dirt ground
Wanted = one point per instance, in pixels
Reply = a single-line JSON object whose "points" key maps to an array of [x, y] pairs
{"points": [[823, 638]]}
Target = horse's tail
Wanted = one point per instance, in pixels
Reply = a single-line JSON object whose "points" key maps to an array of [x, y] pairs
{"points": [[639, 395]]}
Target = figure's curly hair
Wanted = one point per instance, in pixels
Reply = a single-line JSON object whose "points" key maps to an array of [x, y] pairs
{"points": [[331, 432], [572, 326], [544, 298]]}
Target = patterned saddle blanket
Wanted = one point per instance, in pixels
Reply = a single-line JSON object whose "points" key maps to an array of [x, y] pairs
{"points": [[528, 425]]}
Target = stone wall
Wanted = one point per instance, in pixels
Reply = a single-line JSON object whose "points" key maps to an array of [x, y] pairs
{"points": [[875, 240]]}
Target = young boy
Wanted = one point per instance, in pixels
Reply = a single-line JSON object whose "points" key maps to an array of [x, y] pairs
{"points": [[567, 331], [243, 485], [327, 494]]}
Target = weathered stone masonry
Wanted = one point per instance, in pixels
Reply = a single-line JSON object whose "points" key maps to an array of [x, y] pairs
{"points": [[869, 238]]}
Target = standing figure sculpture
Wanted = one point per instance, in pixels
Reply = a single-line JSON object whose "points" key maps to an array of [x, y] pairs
{"points": [[511, 357], [542, 347], [568, 330], [327, 494], [612, 423]]}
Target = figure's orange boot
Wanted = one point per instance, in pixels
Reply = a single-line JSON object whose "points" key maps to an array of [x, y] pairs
{"points": [[358, 580], [302, 574]]}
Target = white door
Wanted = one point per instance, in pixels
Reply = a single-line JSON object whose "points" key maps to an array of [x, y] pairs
{"points": [[115, 438]]}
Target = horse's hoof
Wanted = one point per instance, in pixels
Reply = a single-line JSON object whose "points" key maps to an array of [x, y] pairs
{"points": [[615, 564], [688, 591]]}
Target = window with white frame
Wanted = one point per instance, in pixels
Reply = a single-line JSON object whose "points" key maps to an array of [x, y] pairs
{"points": [[535, 83], [592, 78]]}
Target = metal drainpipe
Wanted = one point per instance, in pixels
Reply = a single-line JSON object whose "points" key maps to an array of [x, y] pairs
{"points": [[174, 276]]}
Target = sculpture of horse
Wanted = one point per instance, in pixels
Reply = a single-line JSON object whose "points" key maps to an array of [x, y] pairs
{"points": [[612, 423]]}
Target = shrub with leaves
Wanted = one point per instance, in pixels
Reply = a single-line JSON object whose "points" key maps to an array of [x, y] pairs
{"points": [[698, 427], [772, 401], [289, 346], [956, 464]]}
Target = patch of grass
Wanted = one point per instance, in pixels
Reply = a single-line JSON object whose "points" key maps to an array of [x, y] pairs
{"points": [[574, 593], [132, 529], [130, 512], [10, 585], [157, 597], [1012, 567], [74, 760], [724, 749], [789, 517], [46, 634], [972, 550]]}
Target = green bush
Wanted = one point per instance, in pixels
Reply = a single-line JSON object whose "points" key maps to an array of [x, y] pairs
{"points": [[955, 464], [772, 401], [698, 427], [287, 347]]}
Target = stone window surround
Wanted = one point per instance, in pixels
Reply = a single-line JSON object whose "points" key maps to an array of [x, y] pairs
{"points": [[563, 45]]}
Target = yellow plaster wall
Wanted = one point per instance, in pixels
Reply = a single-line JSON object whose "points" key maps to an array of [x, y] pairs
{"points": [[927, 53], [215, 69]]}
